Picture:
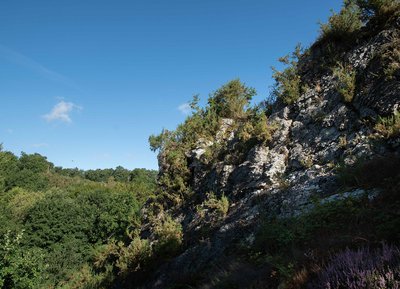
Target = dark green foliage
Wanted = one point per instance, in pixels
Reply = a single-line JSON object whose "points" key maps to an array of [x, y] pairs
{"points": [[377, 8], [65, 217], [91, 216], [288, 86], [34, 163], [19, 268], [232, 99], [344, 24], [345, 81], [388, 127], [119, 174], [8, 170], [29, 171], [69, 226]]}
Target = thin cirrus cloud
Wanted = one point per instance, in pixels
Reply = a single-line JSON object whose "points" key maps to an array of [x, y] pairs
{"points": [[40, 145], [62, 112], [185, 108], [28, 63]]}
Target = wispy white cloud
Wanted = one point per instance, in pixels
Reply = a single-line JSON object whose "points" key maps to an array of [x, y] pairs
{"points": [[40, 145], [185, 108], [61, 112], [129, 155], [26, 62]]}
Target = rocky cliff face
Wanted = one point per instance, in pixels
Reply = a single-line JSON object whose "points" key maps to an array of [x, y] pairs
{"points": [[311, 137]]}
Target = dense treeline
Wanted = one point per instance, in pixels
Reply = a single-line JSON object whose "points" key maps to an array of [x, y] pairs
{"points": [[54, 220], [119, 174]]}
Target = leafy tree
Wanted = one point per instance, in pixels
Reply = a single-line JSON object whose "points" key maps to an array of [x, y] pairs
{"points": [[34, 162]]}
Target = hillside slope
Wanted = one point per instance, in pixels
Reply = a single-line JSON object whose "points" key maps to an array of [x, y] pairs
{"points": [[338, 140]]}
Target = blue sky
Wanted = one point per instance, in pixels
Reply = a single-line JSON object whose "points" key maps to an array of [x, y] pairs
{"points": [[86, 82]]}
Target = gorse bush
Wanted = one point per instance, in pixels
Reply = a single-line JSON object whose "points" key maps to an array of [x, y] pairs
{"points": [[389, 127], [169, 236], [256, 127], [288, 86], [134, 257], [345, 81], [213, 208]]}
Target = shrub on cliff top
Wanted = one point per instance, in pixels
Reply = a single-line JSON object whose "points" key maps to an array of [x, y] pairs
{"points": [[343, 24], [288, 86], [377, 8]]}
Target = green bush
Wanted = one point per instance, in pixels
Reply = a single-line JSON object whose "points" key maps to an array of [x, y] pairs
{"points": [[288, 85], [116, 261], [168, 235], [344, 24], [232, 99], [256, 127], [134, 257], [378, 8], [345, 81], [214, 208], [389, 57], [389, 127]]}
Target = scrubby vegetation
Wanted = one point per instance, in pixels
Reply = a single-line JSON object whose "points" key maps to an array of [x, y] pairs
{"points": [[288, 86], [388, 127], [343, 25], [228, 105], [213, 208], [346, 81]]}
